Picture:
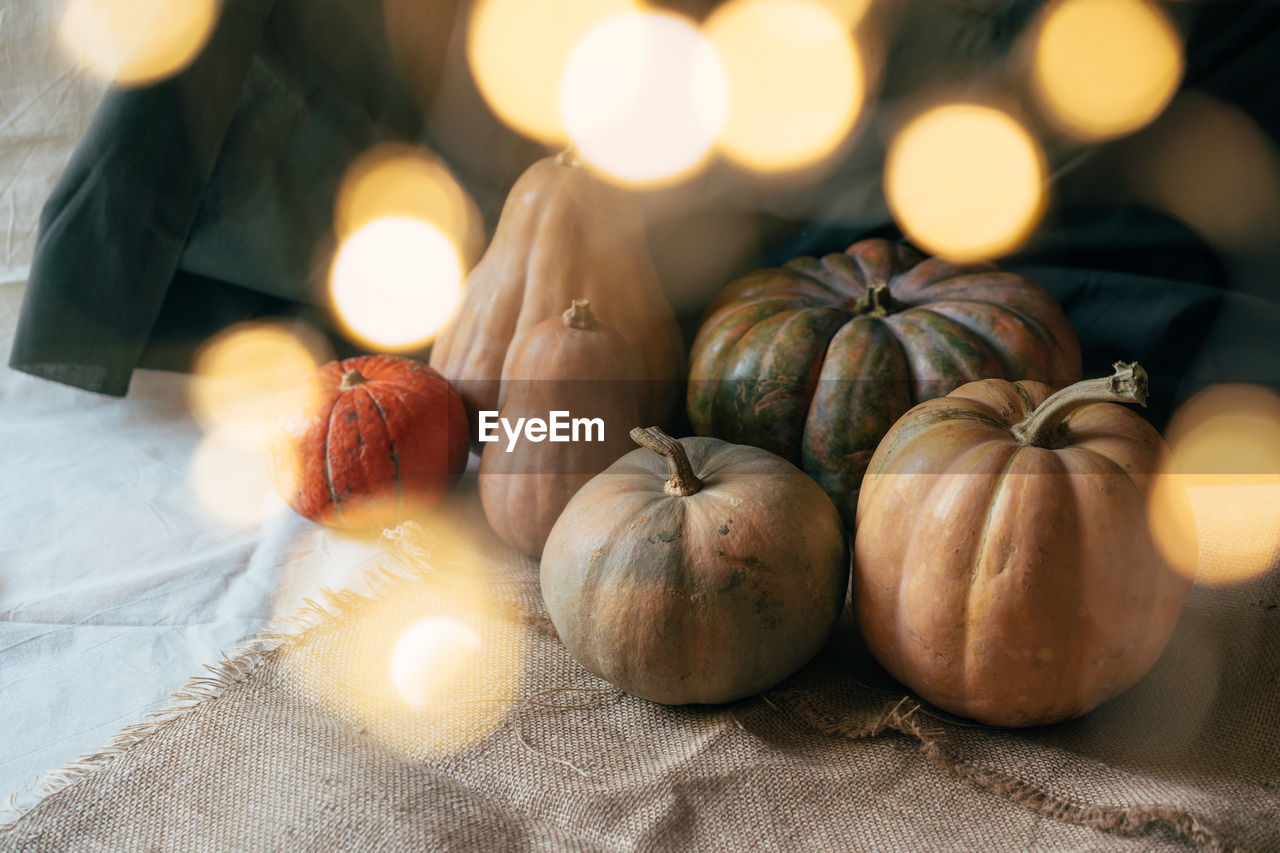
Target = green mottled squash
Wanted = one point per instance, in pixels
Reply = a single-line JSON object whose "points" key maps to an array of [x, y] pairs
{"points": [[816, 360]]}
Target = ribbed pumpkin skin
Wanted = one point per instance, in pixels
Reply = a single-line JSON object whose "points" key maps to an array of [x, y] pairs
{"points": [[563, 234], [586, 372], [788, 360], [376, 452], [706, 598], [1010, 583]]}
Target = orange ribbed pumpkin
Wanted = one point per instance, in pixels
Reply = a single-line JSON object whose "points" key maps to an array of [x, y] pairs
{"points": [[1003, 567], [563, 234], [376, 439]]}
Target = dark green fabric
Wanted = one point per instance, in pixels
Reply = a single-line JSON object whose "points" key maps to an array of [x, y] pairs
{"points": [[208, 198], [112, 233]]}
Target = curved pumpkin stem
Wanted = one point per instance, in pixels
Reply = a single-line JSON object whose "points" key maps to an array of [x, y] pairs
{"points": [[1043, 427], [568, 157], [682, 481]]}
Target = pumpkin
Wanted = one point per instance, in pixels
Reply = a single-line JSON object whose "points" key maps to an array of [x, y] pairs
{"points": [[374, 439], [563, 233], [816, 360], [695, 571], [1003, 566], [571, 364]]}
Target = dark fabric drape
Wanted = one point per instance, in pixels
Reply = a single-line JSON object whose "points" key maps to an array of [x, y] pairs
{"points": [[207, 198]]}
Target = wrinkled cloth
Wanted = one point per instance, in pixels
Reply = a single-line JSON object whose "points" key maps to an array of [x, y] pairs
{"points": [[208, 198], [317, 741], [45, 105], [117, 580]]}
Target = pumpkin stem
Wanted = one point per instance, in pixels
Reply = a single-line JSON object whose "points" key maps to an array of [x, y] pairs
{"points": [[683, 482], [878, 302], [568, 157], [1043, 427], [579, 315], [351, 379]]}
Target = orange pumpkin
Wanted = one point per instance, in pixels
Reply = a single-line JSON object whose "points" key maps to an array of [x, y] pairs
{"points": [[577, 366], [563, 234], [1003, 567], [375, 439]]}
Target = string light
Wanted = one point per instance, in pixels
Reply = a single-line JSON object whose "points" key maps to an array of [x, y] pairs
{"points": [[644, 98], [395, 282], [517, 51], [1105, 67], [242, 374], [965, 181], [135, 42], [1213, 507], [407, 181], [795, 81]]}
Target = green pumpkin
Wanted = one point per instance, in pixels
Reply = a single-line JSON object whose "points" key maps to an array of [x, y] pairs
{"points": [[816, 360]]}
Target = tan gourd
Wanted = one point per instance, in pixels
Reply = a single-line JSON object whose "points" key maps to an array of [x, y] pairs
{"points": [[572, 364], [1003, 567], [563, 234], [696, 570]]}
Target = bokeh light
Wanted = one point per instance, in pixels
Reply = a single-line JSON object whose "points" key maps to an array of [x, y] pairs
{"points": [[407, 181], [395, 281], [1105, 67], [428, 656], [644, 98], [1209, 164], [135, 42], [518, 50], [848, 12], [795, 81], [1213, 510], [966, 182], [229, 479], [427, 665], [245, 375]]}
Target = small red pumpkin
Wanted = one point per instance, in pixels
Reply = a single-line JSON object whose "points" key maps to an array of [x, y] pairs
{"points": [[377, 438]]}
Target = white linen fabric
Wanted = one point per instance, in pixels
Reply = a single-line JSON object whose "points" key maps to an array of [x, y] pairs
{"points": [[114, 584], [45, 104], [116, 581]]}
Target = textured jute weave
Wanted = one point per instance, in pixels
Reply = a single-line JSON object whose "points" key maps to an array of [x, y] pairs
{"points": [[313, 741]]}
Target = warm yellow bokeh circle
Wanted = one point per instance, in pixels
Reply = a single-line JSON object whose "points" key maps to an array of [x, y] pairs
{"points": [[1213, 510], [966, 182], [795, 81], [518, 50], [644, 98], [136, 42], [395, 282], [1106, 67]]}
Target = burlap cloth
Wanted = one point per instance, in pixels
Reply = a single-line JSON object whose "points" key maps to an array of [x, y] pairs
{"points": [[304, 742]]}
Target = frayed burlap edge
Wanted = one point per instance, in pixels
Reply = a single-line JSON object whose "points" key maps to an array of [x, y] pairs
{"points": [[903, 717], [228, 671], [906, 717]]}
